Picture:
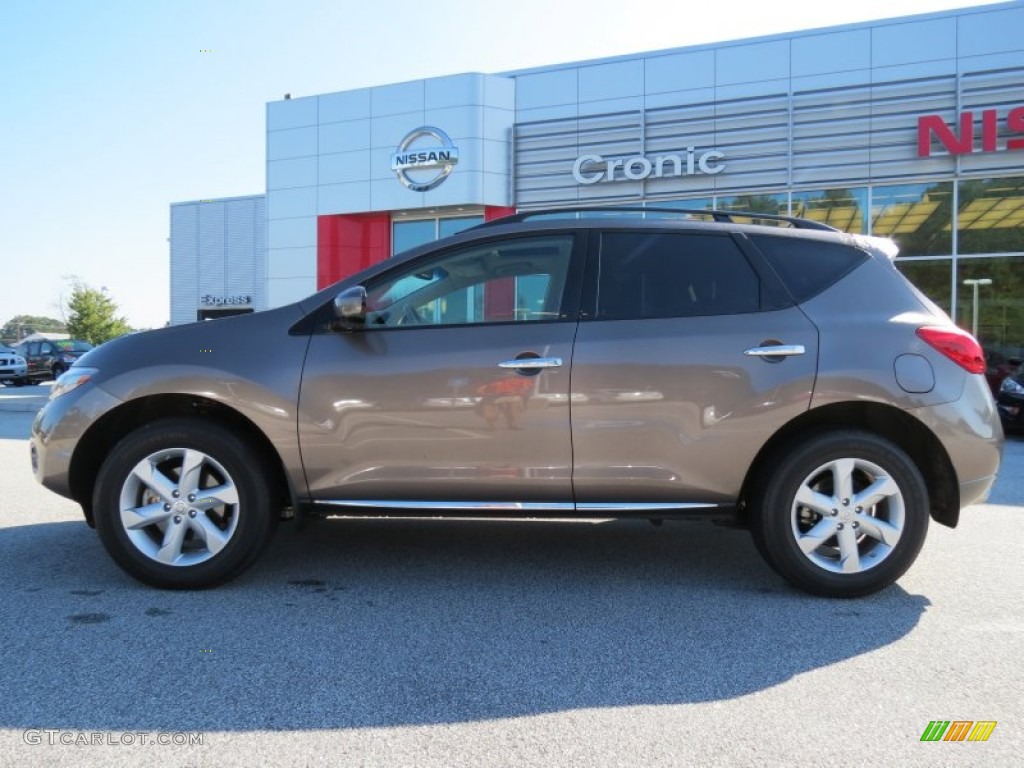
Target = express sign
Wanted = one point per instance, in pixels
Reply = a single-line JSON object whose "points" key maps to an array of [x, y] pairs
{"points": [[929, 126]]}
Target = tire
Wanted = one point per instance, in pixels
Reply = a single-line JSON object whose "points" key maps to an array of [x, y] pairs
{"points": [[58, 369], [173, 533], [824, 546]]}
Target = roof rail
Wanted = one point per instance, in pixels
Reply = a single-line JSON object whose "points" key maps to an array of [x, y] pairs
{"points": [[721, 217]]}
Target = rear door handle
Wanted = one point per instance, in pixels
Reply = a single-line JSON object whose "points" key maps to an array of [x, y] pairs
{"points": [[532, 363], [776, 350]]}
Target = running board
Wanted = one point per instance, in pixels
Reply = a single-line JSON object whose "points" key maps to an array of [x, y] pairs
{"points": [[515, 509]]}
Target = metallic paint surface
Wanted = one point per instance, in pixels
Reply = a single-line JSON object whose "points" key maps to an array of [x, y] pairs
{"points": [[402, 414], [672, 409], [249, 363]]}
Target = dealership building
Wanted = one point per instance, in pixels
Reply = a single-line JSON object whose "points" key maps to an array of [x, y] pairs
{"points": [[909, 128]]}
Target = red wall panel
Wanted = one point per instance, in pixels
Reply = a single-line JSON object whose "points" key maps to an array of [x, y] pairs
{"points": [[499, 295], [347, 243]]}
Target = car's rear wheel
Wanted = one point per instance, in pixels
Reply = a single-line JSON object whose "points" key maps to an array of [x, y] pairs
{"points": [[844, 514], [183, 504], [58, 369]]}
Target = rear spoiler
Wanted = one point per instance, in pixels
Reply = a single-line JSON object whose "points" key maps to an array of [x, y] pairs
{"points": [[883, 244]]}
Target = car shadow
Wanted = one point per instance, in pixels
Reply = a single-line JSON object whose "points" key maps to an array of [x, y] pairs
{"points": [[363, 623]]}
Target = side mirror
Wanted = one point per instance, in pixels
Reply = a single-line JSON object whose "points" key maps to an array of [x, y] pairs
{"points": [[349, 308]]}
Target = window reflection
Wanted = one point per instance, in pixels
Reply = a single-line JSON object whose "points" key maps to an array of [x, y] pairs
{"points": [[700, 204], [990, 218], [1000, 304], [454, 225], [845, 209], [774, 204], [409, 234], [916, 216]]}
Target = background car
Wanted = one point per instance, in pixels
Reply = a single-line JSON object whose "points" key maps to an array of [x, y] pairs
{"points": [[998, 367], [49, 358], [13, 368], [1010, 401]]}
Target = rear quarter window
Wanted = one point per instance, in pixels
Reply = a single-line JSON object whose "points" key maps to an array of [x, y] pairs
{"points": [[808, 267]]}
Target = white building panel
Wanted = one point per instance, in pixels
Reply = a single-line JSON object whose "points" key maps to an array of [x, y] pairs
{"points": [[546, 89], [292, 113], [397, 99], [344, 137], [344, 106], [294, 142], [292, 233], [291, 262], [751, 62], [619, 80], [910, 42], [296, 172], [832, 52], [291, 203], [679, 72], [454, 91], [287, 290]]}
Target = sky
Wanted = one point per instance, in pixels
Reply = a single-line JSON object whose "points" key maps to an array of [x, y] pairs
{"points": [[110, 111]]}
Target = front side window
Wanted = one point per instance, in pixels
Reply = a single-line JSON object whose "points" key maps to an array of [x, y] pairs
{"points": [[520, 280], [652, 275]]}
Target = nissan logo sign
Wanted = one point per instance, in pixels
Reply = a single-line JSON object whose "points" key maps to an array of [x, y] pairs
{"points": [[414, 158]]}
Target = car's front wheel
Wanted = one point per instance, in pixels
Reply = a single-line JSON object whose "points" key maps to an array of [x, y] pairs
{"points": [[183, 504], [844, 514], [58, 369]]}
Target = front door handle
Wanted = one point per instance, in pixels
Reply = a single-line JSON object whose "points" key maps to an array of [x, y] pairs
{"points": [[532, 363], [779, 350]]}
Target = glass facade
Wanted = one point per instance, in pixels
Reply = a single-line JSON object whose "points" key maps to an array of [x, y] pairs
{"points": [[990, 216], [999, 285], [917, 216], [406, 234], [841, 207]]}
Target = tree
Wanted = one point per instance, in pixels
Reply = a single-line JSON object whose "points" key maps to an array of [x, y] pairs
{"points": [[20, 326], [92, 315]]}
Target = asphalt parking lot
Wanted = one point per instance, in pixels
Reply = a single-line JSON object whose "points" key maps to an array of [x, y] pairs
{"points": [[415, 643]]}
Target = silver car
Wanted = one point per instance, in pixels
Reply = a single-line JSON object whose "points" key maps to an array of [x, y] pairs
{"points": [[13, 368], [787, 376]]}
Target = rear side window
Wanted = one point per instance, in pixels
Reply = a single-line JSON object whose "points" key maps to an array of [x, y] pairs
{"points": [[651, 275], [807, 267]]}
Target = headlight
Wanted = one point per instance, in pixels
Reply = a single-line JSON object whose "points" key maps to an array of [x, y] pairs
{"points": [[1011, 387], [70, 380]]}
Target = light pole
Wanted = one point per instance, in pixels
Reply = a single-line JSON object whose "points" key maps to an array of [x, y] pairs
{"points": [[976, 281]]}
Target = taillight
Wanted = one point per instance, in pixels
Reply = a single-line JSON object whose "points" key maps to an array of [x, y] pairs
{"points": [[959, 346]]}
